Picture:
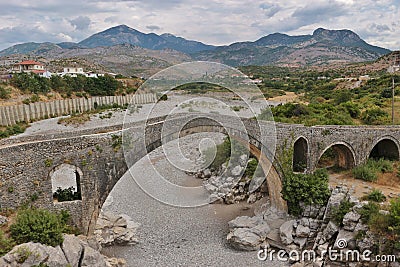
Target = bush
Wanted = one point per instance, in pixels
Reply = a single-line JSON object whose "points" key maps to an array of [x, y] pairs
{"points": [[6, 244], [4, 92], [367, 211], [305, 188], [339, 212], [376, 196], [67, 194], [365, 173], [38, 225]]}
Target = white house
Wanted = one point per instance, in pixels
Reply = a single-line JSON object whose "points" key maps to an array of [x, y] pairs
{"points": [[30, 66]]}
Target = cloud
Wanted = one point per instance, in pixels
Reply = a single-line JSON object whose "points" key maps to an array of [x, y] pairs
{"points": [[81, 23], [153, 27]]}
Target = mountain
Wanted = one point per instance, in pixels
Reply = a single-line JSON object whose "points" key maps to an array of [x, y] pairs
{"points": [[29, 48], [125, 35], [322, 47]]}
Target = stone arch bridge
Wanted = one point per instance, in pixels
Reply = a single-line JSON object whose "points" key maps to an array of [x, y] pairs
{"points": [[26, 164]]}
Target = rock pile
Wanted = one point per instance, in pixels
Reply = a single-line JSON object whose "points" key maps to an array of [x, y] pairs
{"points": [[74, 252], [115, 229], [227, 185], [316, 230]]}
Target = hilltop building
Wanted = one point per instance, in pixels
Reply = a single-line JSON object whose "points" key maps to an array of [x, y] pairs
{"points": [[30, 66], [75, 71]]}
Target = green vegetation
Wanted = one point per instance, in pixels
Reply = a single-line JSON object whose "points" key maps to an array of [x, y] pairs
{"points": [[370, 170], [5, 93], [66, 194], [201, 88], [305, 188], [81, 85], [327, 96], [339, 212], [6, 244], [375, 195], [38, 225], [11, 130]]}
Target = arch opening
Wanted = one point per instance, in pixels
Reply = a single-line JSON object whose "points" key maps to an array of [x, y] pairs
{"points": [[385, 148], [300, 152], [337, 157], [66, 183]]}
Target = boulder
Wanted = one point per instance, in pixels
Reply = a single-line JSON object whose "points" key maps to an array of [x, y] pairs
{"points": [[30, 254], [345, 240], [302, 231], [329, 231], [237, 171], [115, 229], [244, 239], [92, 258], [72, 248], [333, 202], [350, 220], [245, 222], [286, 232]]}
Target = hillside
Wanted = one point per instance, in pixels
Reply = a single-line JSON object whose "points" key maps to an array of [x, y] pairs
{"points": [[321, 48], [124, 50]]}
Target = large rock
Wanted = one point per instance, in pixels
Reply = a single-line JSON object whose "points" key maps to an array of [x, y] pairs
{"points": [[248, 238], [286, 232], [350, 220], [329, 231], [245, 222], [237, 171], [30, 254], [345, 240], [73, 249], [302, 231], [115, 229], [73, 252], [93, 258], [333, 203]]}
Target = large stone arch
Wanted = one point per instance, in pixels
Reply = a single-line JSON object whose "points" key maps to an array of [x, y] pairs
{"points": [[300, 154], [386, 147], [345, 155]]}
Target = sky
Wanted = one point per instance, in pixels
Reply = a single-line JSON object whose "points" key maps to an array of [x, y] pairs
{"points": [[216, 22]]}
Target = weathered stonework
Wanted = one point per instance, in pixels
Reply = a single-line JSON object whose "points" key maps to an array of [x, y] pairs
{"points": [[26, 163]]}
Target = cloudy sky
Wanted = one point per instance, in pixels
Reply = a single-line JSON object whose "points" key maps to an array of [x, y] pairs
{"points": [[210, 21]]}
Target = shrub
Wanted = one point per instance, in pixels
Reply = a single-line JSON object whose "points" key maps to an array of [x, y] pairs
{"points": [[367, 211], [365, 173], [6, 244], [305, 188], [339, 212], [376, 196], [38, 225], [4, 92], [67, 194]]}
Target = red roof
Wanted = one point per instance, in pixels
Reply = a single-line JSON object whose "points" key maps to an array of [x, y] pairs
{"points": [[38, 71], [29, 62]]}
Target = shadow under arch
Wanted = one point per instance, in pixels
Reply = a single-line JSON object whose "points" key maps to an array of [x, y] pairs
{"points": [[300, 154], [386, 147], [344, 155]]}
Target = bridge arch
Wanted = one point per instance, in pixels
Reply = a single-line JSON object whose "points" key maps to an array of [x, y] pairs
{"points": [[300, 154], [386, 147], [270, 166], [345, 155]]}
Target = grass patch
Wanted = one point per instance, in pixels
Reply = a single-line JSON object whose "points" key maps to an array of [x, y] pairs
{"points": [[13, 129], [370, 170]]}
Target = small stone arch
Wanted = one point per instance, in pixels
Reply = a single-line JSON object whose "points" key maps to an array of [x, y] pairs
{"points": [[345, 155], [387, 148], [65, 176], [300, 154]]}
